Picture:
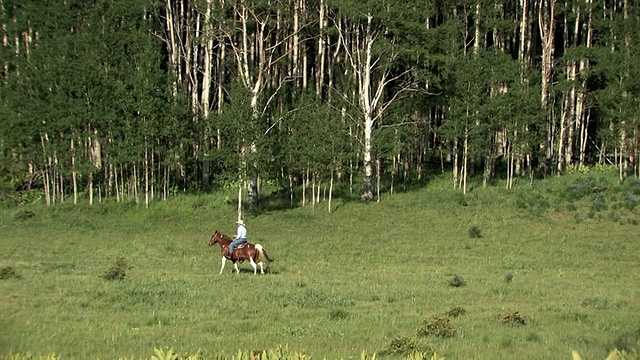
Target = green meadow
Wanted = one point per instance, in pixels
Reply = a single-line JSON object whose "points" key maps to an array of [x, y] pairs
{"points": [[528, 273]]}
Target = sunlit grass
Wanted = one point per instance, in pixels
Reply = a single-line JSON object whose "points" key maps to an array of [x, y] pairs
{"points": [[342, 282]]}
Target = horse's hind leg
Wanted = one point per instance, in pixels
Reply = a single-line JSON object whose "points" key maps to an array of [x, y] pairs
{"points": [[253, 265], [261, 268], [235, 266]]}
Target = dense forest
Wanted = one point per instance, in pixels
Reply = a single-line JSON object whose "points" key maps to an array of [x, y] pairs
{"points": [[137, 100]]}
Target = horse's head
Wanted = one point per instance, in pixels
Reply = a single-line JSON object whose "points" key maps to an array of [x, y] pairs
{"points": [[217, 236]]}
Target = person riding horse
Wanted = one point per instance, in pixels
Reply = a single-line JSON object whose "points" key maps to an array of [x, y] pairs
{"points": [[239, 238], [251, 253]]}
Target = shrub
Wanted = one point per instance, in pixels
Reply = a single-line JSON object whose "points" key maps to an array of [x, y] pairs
{"points": [[457, 281], [598, 202], [512, 318], [536, 204], [628, 342], [581, 188], [24, 215], [474, 232], [338, 314], [508, 278], [9, 272], [118, 271], [456, 311], [437, 325], [628, 201], [401, 345]]}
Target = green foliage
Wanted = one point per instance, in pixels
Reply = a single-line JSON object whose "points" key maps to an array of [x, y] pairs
{"points": [[583, 187], [628, 201], [508, 278], [437, 325], [474, 232], [457, 281], [9, 272], [170, 354], [456, 311], [338, 314], [628, 343], [512, 318], [118, 271], [401, 345], [615, 354], [24, 214], [589, 193], [535, 203], [338, 291]]}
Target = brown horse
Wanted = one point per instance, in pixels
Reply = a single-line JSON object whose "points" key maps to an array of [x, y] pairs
{"points": [[242, 252]]}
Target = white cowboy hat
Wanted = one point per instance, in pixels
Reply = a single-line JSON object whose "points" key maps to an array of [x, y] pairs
{"points": [[240, 222]]}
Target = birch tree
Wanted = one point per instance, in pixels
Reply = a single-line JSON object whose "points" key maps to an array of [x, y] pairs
{"points": [[256, 48], [546, 21], [373, 78]]}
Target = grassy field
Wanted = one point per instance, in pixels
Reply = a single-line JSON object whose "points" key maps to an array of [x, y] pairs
{"points": [[536, 271]]}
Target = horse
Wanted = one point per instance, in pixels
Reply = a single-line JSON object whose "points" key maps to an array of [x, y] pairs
{"points": [[242, 252]]}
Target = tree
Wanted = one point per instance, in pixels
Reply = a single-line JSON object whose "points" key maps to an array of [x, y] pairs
{"points": [[378, 82]]}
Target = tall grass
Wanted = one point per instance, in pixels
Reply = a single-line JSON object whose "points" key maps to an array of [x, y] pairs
{"points": [[360, 278]]}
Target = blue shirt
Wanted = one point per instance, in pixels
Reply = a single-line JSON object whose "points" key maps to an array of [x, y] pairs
{"points": [[242, 233]]}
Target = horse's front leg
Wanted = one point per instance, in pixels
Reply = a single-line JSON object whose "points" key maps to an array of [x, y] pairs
{"points": [[222, 267], [235, 266]]}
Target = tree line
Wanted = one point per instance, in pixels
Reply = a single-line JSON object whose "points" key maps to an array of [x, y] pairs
{"points": [[139, 99]]}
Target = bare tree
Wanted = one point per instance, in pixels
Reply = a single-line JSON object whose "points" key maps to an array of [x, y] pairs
{"points": [[256, 49], [372, 80], [546, 18]]}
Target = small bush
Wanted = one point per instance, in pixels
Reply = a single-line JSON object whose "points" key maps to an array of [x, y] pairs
{"points": [[338, 314], [456, 311], [629, 201], [633, 186], [437, 325], [474, 232], [23, 215], [512, 318], [580, 189], [508, 278], [536, 204], [457, 281], [614, 216], [461, 200], [598, 202], [401, 345], [628, 342], [9, 272], [118, 271]]}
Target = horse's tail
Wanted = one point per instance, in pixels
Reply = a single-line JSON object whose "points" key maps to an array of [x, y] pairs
{"points": [[263, 252]]}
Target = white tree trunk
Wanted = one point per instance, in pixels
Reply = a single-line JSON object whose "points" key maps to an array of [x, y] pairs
{"points": [[546, 17]]}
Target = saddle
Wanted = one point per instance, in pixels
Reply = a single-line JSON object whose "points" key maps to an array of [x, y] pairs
{"points": [[240, 246]]}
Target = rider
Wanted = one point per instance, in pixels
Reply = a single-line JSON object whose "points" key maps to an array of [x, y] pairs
{"points": [[240, 236]]}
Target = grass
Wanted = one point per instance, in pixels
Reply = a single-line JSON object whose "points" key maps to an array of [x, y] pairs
{"points": [[363, 277]]}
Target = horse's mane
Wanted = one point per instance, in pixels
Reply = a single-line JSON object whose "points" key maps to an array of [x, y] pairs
{"points": [[223, 236]]}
